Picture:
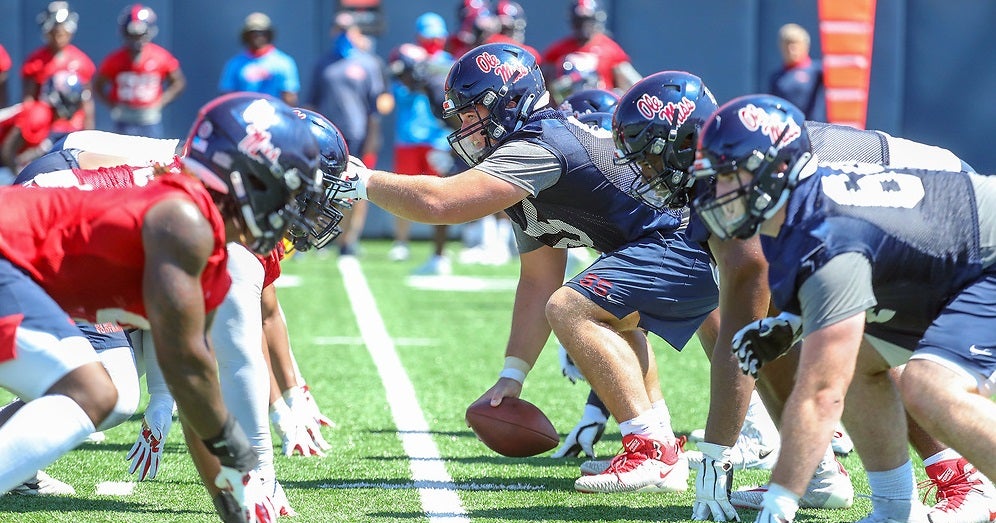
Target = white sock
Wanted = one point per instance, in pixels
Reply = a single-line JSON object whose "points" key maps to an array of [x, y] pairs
{"points": [[647, 424], [943, 455], [38, 434], [893, 491], [660, 407]]}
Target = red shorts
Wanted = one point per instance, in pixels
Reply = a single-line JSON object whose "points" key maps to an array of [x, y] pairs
{"points": [[413, 159]]}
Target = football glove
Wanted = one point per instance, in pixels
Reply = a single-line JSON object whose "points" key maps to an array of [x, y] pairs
{"points": [[147, 452], [356, 174], [765, 340], [567, 366], [312, 408], [712, 485], [582, 438], [242, 499], [778, 505], [293, 433], [301, 402]]}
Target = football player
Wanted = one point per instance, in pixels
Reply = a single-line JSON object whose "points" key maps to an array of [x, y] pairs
{"points": [[25, 128], [167, 262], [555, 178], [895, 256]]}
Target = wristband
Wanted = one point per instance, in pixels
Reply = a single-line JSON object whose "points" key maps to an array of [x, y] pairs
{"points": [[515, 369]]}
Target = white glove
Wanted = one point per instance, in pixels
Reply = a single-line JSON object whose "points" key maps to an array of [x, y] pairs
{"points": [[356, 174], [147, 452], [311, 406], [765, 340], [712, 485], [567, 366], [246, 491], [293, 431], [297, 399], [582, 437], [778, 505]]}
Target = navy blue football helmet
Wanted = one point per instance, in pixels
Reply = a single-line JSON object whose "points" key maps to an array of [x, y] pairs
{"points": [[255, 156], [504, 79], [138, 22], [656, 126], [590, 101], [764, 136], [577, 72], [65, 93], [596, 120], [322, 214]]}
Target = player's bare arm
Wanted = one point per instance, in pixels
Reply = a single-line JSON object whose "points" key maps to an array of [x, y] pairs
{"points": [[743, 297], [826, 367], [461, 198], [541, 273], [178, 241]]}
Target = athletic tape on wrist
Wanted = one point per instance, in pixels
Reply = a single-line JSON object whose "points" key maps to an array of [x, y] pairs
{"points": [[515, 369]]}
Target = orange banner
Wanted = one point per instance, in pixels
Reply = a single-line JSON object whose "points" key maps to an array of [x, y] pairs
{"points": [[847, 30]]}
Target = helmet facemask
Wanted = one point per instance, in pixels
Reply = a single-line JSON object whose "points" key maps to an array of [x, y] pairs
{"points": [[474, 142], [318, 214], [664, 181], [739, 213]]}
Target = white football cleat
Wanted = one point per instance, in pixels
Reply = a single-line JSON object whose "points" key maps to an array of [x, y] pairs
{"points": [[41, 484], [644, 465], [964, 495]]}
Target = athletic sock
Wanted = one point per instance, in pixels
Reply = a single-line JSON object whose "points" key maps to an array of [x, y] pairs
{"points": [[38, 434]]}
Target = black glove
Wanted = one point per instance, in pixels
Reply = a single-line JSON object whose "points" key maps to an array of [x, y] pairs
{"points": [[232, 447], [765, 340]]}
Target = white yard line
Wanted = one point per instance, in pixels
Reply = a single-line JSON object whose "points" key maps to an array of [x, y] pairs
{"points": [[436, 488]]}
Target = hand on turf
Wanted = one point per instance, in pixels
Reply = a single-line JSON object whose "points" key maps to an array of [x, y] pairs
{"points": [[301, 402], [712, 485], [582, 437], [765, 340], [311, 406], [567, 366], [147, 452], [294, 434], [243, 498]]}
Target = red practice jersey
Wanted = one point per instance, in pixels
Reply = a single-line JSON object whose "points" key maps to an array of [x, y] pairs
{"points": [[85, 248], [499, 38], [42, 64], [33, 119], [271, 264], [607, 50], [5, 63], [139, 82]]}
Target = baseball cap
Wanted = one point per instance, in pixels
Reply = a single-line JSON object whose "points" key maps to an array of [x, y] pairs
{"points": [[431, 25], [257, 22]]}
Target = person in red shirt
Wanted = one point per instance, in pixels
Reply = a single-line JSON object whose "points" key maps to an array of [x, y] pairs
{"points": [[25, 128], [588, 36], [58, 24], [149, 256], [476, 24], [512, 27], [130, 80], [5, 65]]}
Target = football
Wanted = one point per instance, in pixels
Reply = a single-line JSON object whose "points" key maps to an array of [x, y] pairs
{"points": [[515, 428]]}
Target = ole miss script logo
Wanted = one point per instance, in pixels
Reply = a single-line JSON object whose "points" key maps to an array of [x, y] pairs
{"points": [[488, 62], [754, 118], [676, 113]]}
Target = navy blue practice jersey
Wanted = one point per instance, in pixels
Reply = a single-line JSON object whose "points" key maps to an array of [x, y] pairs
{"points": [[918, 229]]}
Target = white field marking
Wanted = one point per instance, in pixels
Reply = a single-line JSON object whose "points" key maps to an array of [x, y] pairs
{"points": [[287, 280], [436, 489], [352, 340], [115, 488], [410, 485], [461, 283]]}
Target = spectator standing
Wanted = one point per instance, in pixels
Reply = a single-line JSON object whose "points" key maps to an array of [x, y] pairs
{"points": [[587, 19], [800, 79], [59, 56], [130, 80], [261, 68], [420, 145], [348, 87]]}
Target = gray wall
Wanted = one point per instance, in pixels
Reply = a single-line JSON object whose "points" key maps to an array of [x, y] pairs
{"points": [[931, 70]]}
